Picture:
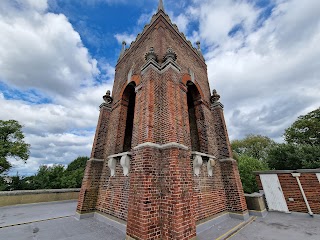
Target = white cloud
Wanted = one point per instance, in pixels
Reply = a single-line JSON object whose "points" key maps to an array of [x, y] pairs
{"points": [[182, 22], [58, 132], [42, 56], [128, 38], [267, 75], [42, 50]]}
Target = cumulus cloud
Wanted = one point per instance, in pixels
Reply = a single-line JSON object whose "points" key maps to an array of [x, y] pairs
{"points": [[41, 50], [128, 38], [267, 73], [50, 83]]}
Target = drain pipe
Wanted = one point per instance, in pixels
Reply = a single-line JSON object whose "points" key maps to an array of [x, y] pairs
{"points": [[297, 175]]}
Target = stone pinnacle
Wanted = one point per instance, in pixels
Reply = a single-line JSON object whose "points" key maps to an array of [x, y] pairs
{"points": [[160, 6]]}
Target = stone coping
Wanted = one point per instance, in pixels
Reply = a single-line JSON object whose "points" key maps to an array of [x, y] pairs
{"points": [[288, 171], [203, 154], [42, 191], [120, 154], [253, 195]]}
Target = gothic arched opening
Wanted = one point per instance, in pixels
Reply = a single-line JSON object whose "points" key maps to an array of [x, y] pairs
{"points": [[192, 96], [129, 95]]}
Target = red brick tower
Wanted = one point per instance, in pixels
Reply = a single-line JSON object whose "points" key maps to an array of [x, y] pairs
{"points": [[161, 158]]}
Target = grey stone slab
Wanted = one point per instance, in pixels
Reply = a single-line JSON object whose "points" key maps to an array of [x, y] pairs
{"points": [[34, 212], [209, 224], [258, 213], [281, 226], [68, 228], [111, 222], [243, 217], [218, 229]]}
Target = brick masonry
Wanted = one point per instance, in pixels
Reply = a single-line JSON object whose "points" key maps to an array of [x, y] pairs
{"points": [[162, 198], [290, 188]]}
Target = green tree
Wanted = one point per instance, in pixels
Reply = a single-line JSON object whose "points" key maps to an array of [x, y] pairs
{"points": [[12, 144], [17, 183], [48, 177], [74, 173], [246, 166], [305, 130], [72, 179], [255, 146], [78, 163], [3, 184], [293, 156]]}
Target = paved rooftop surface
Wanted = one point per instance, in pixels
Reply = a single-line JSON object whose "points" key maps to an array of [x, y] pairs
{"points": [[56, 221], [281, 226]]}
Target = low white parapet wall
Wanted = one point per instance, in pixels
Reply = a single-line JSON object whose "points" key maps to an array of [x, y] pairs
{"points": [[8, 198]]}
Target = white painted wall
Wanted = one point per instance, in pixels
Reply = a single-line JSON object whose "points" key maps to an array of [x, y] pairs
{"points": [[318, 175], [273, 191]]}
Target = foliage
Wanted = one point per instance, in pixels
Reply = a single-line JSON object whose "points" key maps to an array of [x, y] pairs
{"points": [[3, 184], [255, 146], [74, 173], [50, 177], [292, 157], [12, 144], [78, 163], [246, 167], [305, 130]]}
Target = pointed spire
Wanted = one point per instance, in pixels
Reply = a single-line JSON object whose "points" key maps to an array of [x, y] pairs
{"points": [[160, 6]]}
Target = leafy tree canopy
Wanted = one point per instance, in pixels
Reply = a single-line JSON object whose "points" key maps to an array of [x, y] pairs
{"points": [[12, 144], [78, 163], [255, 146], [246, 167], [305, 130], [292, 157]]}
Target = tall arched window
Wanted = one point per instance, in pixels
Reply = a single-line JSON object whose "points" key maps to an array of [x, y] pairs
{"points": [[130, 96], [193, 95]]}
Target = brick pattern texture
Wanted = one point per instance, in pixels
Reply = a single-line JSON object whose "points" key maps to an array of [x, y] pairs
{"points": [[161, 198], [290, 188]]}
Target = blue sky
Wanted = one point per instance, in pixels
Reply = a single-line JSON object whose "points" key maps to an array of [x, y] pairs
{"points": [[57, 60]]}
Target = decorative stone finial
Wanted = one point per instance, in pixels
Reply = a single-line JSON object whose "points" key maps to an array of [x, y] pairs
{"points": [[151, 55], [123, 49], [170, 55], [199, 49], [215, 96], [160, 6], [199, 46], [107, 98]]}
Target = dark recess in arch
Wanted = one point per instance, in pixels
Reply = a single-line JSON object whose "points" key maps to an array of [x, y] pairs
{"points": [[130, 96]]}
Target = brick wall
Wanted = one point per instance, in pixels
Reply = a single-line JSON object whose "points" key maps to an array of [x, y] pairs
{"points": [[90, 187], [161, 198], [209, 193], [291, 190]]}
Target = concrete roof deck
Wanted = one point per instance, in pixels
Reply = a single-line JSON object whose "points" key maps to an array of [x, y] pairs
{"points": [[57, 221]]}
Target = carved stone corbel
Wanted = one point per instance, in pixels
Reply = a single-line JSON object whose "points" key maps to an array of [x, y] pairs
{"points": [[125, 163], [197, 163], [112, 165], [211, 163]]}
